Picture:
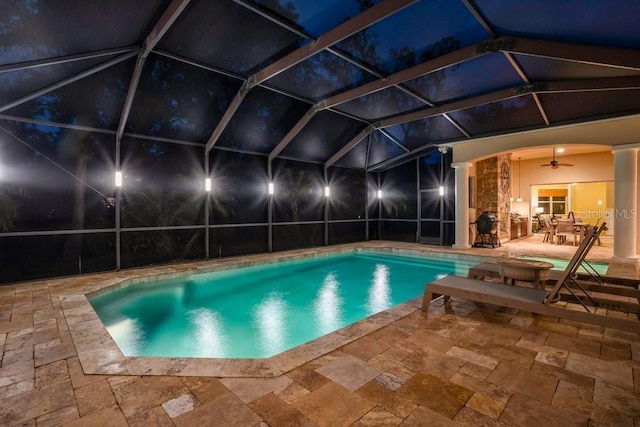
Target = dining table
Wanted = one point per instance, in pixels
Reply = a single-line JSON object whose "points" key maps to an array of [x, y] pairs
{"points": [[581, 230]]}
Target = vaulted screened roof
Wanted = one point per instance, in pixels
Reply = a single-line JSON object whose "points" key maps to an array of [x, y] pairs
{"points": [[355, 83]]}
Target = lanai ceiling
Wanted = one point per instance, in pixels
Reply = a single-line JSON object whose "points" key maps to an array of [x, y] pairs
{"points": [[355, 83]]}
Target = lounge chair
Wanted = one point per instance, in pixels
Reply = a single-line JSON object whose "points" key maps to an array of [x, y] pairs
{"points": [[536, 300]]}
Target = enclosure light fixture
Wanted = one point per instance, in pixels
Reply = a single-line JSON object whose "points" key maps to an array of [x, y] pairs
{"points": [[379, 194], [441, 190], [271, 188], [559, 150], [118, 179], [207, 184], [326, 191]]}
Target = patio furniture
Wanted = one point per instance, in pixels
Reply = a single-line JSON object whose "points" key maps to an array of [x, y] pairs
{"points": [[540, 301], [524, 270], [565, 229], [491, 269], [548, 230]]}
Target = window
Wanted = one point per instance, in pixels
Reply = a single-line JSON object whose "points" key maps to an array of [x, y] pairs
{"points": [[556, 205]]}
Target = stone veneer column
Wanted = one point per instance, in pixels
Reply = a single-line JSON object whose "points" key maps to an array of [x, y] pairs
{"points": [[462, 205], [625, 165], [494, 189]]}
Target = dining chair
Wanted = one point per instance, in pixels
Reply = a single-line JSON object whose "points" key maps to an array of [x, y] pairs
{"points": [[564, 229], [548, 230]]}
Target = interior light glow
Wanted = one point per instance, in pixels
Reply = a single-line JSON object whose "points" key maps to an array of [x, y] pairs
{"points": [[599, 202], [441, 190], [379, 194], [326, 191], [118, 179], [271, 188], [559, 150], [207, 184], [519, 199]]}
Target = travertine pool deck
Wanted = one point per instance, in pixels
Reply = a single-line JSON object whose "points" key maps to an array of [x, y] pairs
{"points": [[467, 364]]}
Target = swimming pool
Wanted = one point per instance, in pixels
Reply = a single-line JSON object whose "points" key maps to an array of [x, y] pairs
{"points": [[263, 310], [561, 264]]}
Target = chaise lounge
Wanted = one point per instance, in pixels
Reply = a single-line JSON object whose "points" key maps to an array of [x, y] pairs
{"points": [[540, 301]]}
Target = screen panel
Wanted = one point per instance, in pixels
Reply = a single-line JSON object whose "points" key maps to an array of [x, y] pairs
{"points": [[320, 76], [232, 241], [141, 248], [52, 256], [163, 184], [239, 188], [33, 30], [299, 191], [95, 100], [324, 136], [228, 35], [591, 21], [402, 231], [179, 101], [317, 17], [262, 121], [383, 103], [299, 236], [483, 74], [422, 132], [348, 194], [348, 232], [415, 34], [562, 107], [513, 113], [399, 186], [16, 84], [55, 179]]}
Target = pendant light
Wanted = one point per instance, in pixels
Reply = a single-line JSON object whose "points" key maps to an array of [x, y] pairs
{"points": [[519, 175]]}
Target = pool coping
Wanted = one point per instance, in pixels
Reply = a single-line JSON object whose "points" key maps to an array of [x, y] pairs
{"points": [[99, 354]]}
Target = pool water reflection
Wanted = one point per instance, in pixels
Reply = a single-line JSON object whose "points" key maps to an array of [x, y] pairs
{"points": [[263, 310]]}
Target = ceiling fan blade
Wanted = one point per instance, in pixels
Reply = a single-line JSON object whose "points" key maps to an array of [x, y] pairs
{"points": [[565, 164], [556, 166], [546, 164]]}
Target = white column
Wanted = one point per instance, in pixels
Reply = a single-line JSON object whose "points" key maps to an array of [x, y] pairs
{"points": [[625, 213], [462, 205]]}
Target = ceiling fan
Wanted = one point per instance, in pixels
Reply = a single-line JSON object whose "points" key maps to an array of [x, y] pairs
{"points": [[554, 163]]}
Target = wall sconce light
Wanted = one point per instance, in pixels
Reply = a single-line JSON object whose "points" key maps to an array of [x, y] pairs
{"points": [[271, 188], [599, 202], [441, 190], [379, 194], [327, 192], [118, 179], [207, 184]]}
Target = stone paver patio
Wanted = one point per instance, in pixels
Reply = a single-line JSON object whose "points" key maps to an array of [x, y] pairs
{"points": [[468, 364]]}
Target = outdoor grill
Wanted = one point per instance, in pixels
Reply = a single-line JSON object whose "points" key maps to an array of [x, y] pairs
{"points": [[487, 230]]}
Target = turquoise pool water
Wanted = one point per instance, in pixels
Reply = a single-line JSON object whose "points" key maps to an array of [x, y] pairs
{"points": [[561, 264], [263, 310]]}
